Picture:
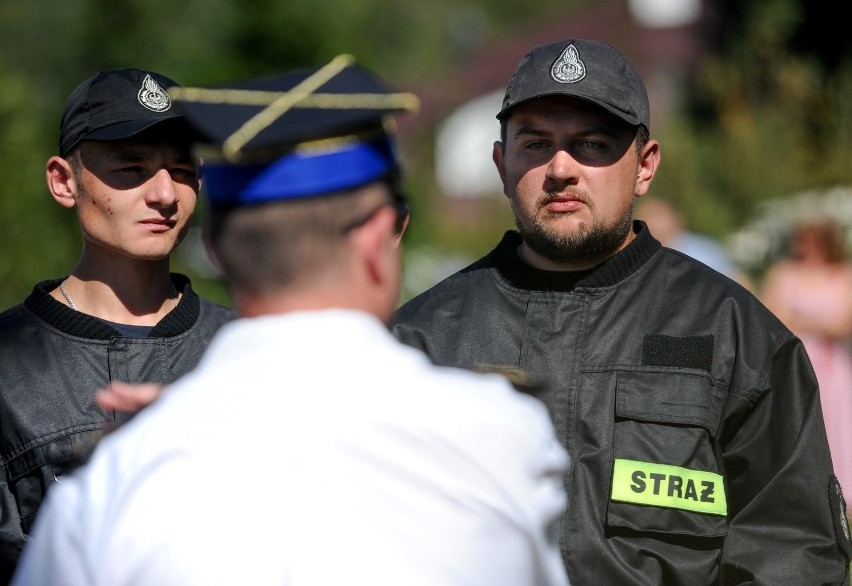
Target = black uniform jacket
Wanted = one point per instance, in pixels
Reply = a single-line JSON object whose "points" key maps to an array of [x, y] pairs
{"points": [[52, 360], [691, 413]]}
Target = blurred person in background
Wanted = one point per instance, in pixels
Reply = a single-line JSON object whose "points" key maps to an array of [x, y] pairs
{"points": [[126, 169], [357, 461], [668, 225], [811, 292]]}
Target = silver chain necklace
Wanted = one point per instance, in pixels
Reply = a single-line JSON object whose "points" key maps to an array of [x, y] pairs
{"points": [[67, 296], [73, 306]]}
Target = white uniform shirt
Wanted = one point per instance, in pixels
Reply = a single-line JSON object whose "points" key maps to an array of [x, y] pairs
{"points": [[313, 449]]}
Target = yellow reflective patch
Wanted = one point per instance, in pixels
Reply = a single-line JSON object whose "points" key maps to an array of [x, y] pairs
{"points": [[673, 487]]}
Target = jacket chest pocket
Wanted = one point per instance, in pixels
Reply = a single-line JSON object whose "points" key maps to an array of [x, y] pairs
{"points": [[665, 473]]}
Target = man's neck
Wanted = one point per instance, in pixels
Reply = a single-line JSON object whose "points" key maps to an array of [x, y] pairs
{"points": [[139, 293]]}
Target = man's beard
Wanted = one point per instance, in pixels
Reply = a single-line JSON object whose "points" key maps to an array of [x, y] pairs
{"points": [[588, 247]]}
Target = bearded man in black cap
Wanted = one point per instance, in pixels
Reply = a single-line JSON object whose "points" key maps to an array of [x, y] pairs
{"points": [[309, 447], [691, 414], [126, 168]]}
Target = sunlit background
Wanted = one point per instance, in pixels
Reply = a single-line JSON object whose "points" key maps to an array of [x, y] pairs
{"points": [[750, 100]]}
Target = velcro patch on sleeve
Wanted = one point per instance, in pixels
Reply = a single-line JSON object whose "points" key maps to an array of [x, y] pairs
{"points": [[673, 487]]}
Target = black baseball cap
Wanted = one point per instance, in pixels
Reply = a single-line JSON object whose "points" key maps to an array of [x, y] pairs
{"points": [[582, 68], [114, 105]]}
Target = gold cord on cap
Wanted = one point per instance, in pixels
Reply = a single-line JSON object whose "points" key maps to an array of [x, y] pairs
{"points": [[279, 103]]}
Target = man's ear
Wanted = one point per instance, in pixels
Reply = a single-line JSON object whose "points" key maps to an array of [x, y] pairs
{"points": [[649, 160], [376, 242], [61, 181], [497, 156]]}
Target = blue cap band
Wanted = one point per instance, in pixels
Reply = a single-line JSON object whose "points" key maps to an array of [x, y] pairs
{"points": [[299, 174]]}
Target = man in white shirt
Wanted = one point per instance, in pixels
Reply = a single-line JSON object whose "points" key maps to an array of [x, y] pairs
{"points": [[309, 447]]}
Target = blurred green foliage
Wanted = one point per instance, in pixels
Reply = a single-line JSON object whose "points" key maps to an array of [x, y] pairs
{"points": [[765, 115]]}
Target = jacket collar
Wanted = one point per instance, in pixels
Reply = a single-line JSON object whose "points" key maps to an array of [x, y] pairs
{"points": [[610, 272], [82, 325]]}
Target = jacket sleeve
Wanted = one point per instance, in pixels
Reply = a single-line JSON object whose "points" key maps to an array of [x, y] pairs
{"points": [[787, 522], [12, 537]]}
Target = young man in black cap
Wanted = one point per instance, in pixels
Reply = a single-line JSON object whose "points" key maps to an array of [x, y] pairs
{"points": [[126, 168], [359, 461], [691, 414]]}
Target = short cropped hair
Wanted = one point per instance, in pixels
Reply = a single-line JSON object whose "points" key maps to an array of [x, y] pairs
{"points": [[267, 247], [75, 161]]}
